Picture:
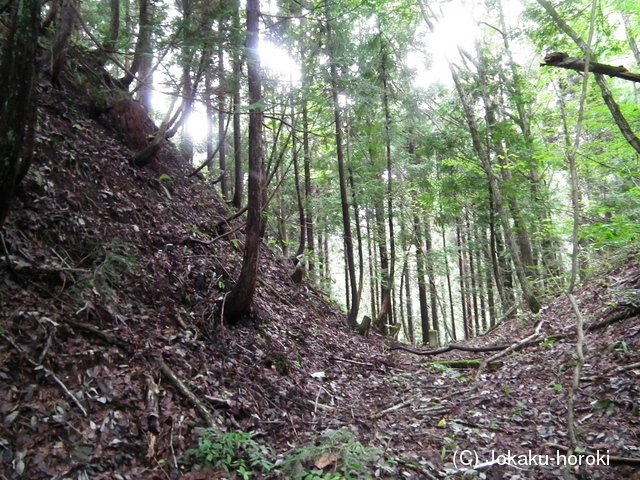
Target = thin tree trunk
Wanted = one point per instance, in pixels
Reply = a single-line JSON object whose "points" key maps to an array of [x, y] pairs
{"points": [[352, 317], [65, 25], [462, 283], [472, 273], [222, 100], [302, 223], [422, 287], [143, 43], [431, 275], [109, 45], [308, 192], [373, 286], [385, 290], [237, 129], [387, 129], [633, 45], [240, 298], [449, 286]]}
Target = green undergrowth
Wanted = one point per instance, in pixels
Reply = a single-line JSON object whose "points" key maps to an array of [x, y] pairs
{"points": [[334, 455]]}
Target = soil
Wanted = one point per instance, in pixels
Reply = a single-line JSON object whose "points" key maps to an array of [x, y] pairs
{"points": [[112, 354]]}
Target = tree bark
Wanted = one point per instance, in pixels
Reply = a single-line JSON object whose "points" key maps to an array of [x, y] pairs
{"points": [[222, 99], [17, 97], [64, 26], [240, 298], [237, 129], [352, 317], [422, 287], [143, 43]]}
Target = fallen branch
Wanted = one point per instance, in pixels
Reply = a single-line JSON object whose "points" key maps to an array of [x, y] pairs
{"points": [[623, 369], [184, 390], [397, 406], [100, 334], [448, 348], [338, 359], [563, 60], [462, 364], [214, 240], [48, 373], [153, 417], [535, 336]]}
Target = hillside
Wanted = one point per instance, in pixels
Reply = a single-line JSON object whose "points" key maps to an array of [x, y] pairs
{"points": [[112, 354]]}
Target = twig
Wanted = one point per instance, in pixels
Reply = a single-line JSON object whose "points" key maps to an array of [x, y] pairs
{"points": [[49, 373], [99, 333], [210, 242], [272, 290], [338, 359], [184, 390], [530, 339], [397, 406]]}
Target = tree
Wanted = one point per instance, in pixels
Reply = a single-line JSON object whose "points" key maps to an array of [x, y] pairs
{"points": [[352, 318], [239, 299], [17, 97]]}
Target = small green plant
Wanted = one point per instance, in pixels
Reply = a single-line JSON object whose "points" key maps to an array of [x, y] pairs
{"points": [[557, 387], [619, 346], [231, 452], [335, 455], [450, 372], [518, 411], [110, 262]]}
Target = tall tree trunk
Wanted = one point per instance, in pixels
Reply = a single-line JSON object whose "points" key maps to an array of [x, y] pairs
{"points": [[539, 193], [302, 219], [472, 273], [237, 130], [352, 317], [109, 46], [240, 298], [308, 192], [633, 45], [431, 275], [381, 320], [530, 298], [373, 262], [143, 43], [208, 90], [408, 297], [65, 25], [388, 287], [466, 311], [17, 97], [222, 100], [454, 335], [421, 272]]}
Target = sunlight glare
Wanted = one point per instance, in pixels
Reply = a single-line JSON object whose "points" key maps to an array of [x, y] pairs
{"points": [[197, 126], [455, 28], [278, 63]]}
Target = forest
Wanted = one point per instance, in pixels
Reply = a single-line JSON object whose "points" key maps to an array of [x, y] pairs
{"points": [[319, 239]]}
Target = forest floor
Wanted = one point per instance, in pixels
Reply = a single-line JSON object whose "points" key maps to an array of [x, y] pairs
{"points": [[112, 355]]}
